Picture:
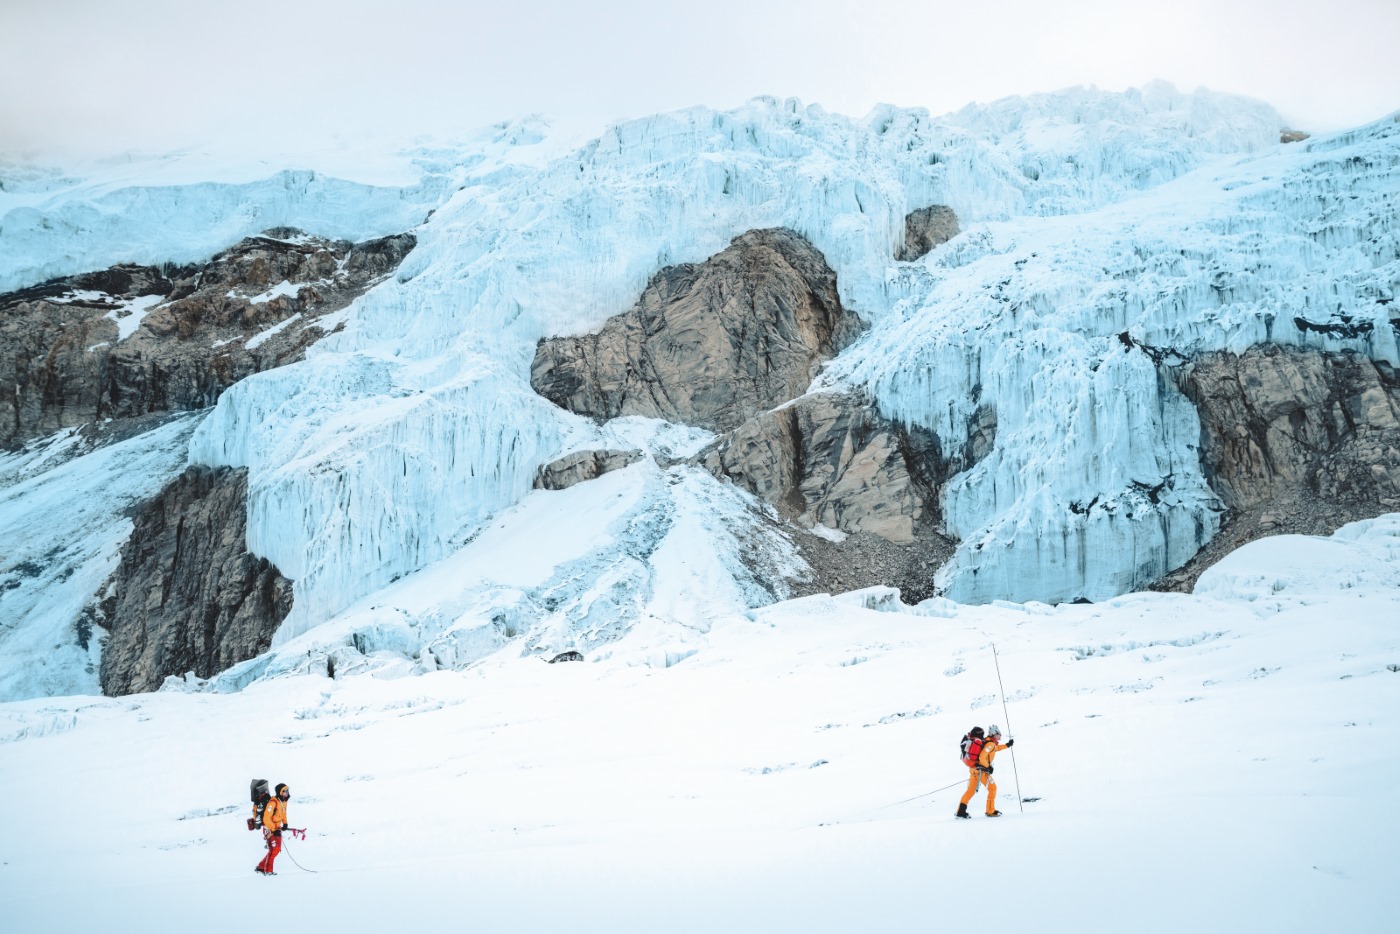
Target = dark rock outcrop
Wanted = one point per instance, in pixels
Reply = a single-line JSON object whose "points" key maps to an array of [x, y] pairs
{"points": [[708, 344], [830, 458], [1292, 441], [191, 331], [925, 229], [575, 468], [188, 596], [1277, 420]]}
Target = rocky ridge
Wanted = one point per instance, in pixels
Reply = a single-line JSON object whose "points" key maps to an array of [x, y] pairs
{"points": [[580, 466], [131, 341], [925, 229], [114, 353]]}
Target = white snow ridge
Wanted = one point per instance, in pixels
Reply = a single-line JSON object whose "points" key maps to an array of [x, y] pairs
{"points": [[726, 756]]}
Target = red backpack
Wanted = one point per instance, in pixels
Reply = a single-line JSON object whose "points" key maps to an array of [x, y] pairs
{"points": [[972, 746]]}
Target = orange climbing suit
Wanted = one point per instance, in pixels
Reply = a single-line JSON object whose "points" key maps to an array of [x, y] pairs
{"points": [[978, 775]]}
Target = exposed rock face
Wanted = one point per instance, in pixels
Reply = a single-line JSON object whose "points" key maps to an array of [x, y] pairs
{"points": [[1293, 441], [708, 344], [187, 595], [728, 345], [580, 466], [925, 229], [830, 458], [1277, 420], [135, 340]]}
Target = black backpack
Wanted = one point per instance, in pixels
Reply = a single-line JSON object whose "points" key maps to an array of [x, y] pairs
{"points": [[258, 792]]}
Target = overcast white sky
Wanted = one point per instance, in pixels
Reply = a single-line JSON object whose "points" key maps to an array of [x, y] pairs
{"points": [[103, 77]]}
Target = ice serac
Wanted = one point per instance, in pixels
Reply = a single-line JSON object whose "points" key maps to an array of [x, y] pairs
{"points": [[1293, 441], [400, 437], [135, 340], [67, 225], [707, 344], [1095, 484], [187, 596]]}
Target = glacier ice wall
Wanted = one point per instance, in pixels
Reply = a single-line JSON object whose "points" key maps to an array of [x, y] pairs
{"points": [[637, 564], [1174, 220], [516, 255], [186, 206], [1058, 323]]}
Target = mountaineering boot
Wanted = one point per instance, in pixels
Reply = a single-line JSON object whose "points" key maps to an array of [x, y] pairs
{"points": [[962, 812], [994, 814]]}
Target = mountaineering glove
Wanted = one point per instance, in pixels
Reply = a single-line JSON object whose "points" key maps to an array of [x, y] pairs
{"points": [[991, 769], [1010, 743]]}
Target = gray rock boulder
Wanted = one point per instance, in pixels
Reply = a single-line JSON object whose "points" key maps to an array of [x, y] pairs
{"points": [[925, 229], [580, 466], [708, 344], [187, 595], [831, 459]]}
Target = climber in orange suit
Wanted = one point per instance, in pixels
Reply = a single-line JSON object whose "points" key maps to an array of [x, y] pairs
{"points": [[274, 822], [981, 773]]}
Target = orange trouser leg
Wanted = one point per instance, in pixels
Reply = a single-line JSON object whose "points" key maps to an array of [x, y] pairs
{"points": [[991, 794], [971, 785]]}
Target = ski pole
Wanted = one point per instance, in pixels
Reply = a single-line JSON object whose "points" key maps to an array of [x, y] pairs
{"points": [[1004, 713]]}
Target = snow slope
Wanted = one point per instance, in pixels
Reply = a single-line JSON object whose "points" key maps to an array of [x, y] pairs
{"points": [[1217, 762]]}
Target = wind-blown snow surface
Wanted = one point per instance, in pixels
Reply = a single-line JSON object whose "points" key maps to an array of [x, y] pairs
{"points": [[1218, 762]]}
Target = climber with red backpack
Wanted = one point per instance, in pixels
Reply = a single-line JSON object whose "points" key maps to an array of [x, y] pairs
{"points": [[978, 751]]}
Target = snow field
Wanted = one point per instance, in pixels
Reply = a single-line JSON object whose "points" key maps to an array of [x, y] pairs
{"points": [[1205, 763]]}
